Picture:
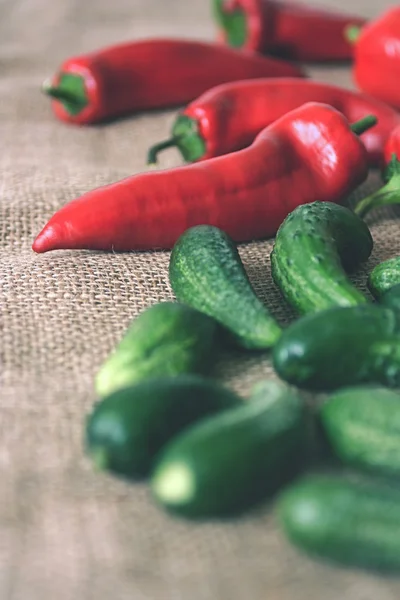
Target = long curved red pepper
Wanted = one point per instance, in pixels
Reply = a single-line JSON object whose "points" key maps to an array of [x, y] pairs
{"points": [[377, 58], [309, 154], [148, 74], [228, 117], [294, 30]]}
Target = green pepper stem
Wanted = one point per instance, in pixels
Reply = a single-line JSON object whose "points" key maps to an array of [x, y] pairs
{"points": [[233, 22], [352, 33], [58, 93], [361, 126], [154, 150], [70, 91], [389, 194]]}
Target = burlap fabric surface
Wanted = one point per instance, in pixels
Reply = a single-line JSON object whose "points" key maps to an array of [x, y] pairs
{"points": [[66, 532]]}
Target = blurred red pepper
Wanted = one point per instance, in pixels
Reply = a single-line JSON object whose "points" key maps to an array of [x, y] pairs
{"points": [[290, 29], [228, 117], [148, 74], [309, 154], [377, 57]]}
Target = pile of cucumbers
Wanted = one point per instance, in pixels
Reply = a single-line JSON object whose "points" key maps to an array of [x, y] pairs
{"points": [[208, 453]]}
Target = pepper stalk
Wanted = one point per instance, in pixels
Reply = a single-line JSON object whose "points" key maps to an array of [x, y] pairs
{"points": [[388, 194], [186, 137], [70, 91]]}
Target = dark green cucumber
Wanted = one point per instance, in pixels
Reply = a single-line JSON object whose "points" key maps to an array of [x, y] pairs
{"points": [[165, 339], [206, 272], [354, 523], [227, 463], [362, 425], [384, 276], [391, 298], [127, 429], [314, 247], [341, 346]]}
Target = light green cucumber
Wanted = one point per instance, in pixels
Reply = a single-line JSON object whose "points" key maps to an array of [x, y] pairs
{"points": [[391, 297], [314, 247], [384, 276], [167, 338], [207, 273]]}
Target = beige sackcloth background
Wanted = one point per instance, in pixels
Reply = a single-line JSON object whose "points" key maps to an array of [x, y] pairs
{"points": [[67, 533]]}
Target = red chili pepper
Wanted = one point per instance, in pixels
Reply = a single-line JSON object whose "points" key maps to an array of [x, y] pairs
{"points": [[228, 117], [150, 74], [389, 193], [309, 154], [377, 58], [289, 29]]}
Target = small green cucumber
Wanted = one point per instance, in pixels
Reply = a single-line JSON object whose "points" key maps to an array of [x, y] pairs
{"points": [[127, 429], [384, 276], [353, 523], [314, 247], [362, 425], [167, 338], [341, 346], [391, 298], [227, 463], [207, 273]]}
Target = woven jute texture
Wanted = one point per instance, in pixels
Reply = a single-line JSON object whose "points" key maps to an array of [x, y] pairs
{"points": [[67, 533]]}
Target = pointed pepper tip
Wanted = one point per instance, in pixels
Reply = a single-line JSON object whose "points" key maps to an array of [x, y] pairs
{"points": [[44, 241]]}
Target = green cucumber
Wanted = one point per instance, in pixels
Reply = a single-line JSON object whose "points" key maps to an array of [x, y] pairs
{"points": [[362, 425], [353, 523], [313, 248], [384, 276], [391, 297], [127, 429], [228, 462], [207, 273], [341, 346], [167, 338]]}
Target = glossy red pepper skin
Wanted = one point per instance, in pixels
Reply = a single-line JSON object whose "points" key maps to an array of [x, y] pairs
{"points": [[297, 31], [228, 117], [377, 58], [309, 154], [158, 73]]}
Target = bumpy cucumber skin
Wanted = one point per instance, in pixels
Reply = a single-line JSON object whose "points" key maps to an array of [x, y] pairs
{"points": [[391, 298], [207, 273], [353, 523], [127, 429], [339, 347], [167, 338], [362, 425], [313, 247], [236, 458], [384, 276]]}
